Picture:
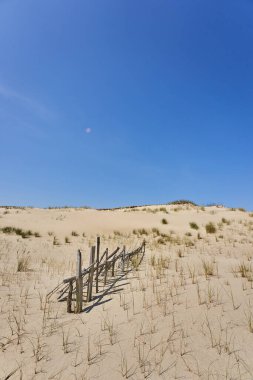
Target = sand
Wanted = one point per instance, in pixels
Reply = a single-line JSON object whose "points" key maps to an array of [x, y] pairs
{"points": [[185, 313]]}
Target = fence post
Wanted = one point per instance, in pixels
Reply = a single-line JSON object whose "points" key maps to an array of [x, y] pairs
{"points": [[113, 267], [69, 299], [98, 249], [91, 273], [79, 283], [106, 266]]}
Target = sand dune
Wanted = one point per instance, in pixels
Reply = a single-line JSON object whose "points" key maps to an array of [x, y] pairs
{"points": [[185, 313]]}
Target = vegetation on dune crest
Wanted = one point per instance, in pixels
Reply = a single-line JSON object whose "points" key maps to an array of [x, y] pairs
{"points": [[182, 202]]}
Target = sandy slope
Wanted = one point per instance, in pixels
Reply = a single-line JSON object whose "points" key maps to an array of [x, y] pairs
{"points": [[185, 313]]}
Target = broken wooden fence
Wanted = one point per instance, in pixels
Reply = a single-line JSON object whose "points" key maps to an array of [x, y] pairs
{"points": [[98, 271]]}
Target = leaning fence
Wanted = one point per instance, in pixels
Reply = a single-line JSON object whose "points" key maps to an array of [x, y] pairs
{"points": [[88, 281]]}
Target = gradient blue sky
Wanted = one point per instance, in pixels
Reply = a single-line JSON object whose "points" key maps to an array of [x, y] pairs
{"points": [[165, 86]]}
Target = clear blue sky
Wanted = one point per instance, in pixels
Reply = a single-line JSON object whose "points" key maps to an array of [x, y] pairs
{"points": [[117, 102]]}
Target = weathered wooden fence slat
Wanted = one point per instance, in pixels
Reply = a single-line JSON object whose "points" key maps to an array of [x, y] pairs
{"points": [[106, 267], [69, 299], [79, 283], [91, 273], [98, 250]]}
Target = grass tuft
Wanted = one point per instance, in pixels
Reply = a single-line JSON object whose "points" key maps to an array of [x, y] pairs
{"points": [[210, 228], [194, 226], [19, 231], [23, 262], [208, 268]]}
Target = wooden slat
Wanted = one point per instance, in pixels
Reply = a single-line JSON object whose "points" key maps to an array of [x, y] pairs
{"points": [[79, 283], [97, 265], [69, 299]]}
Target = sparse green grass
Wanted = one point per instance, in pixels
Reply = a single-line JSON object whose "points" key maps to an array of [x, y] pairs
{"points": [[56, 241], [160, 262], [156, 231], [225, 221], [140, 231], [194, 225], [23, 262], [249, 319], [153, 260], [164, 221], [188, 242], [67, 207], [210, 228], [165, 238], [208, 267], [163, 209], [182, 202], [161, 241], [117, 233], [180, 253], [135, 261], [9, 230], [155, 210], [19, 231], [245, 270]]}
